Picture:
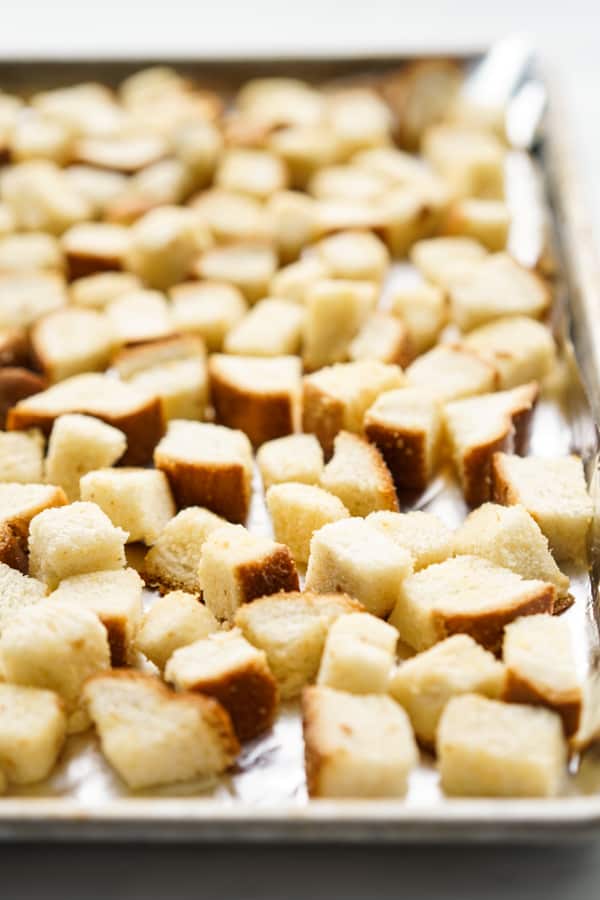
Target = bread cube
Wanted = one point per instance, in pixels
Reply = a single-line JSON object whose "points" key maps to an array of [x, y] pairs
{"points": [[487, 221], [296, 457], [33, 253], [21, 456], [247, 266], [487, 748], [181, 385], [37, 136], [73, 540], [19, 503], [444, 260], [383, 337], [14, 347], [451, 372], [294, 282], [422, 534], [137, 500], [27, 296], [98, 290], [16, 592], [471, 160], [172, 561], [164, 243], [292, 216], [358, 656], [100, 187], [207, 465], [121, 153], [465, 595], [422, 308], [233, 217], [79, 444], [348, 215], [359, 118], [255, 172], [412, 212], [237, 566], [41, 197], [358, 475], [348, 181], [280, 101], [353, 556], [131, 361], [336, 310], [207, 309], [519, 348], [91, 247], [87, 108], [32, 732], [151, 735], [554, 492], [297, 511], [305, 147], [225, 666], [354, 255], [272, 328], [425, 683], [140, 316], [356, 746], [16, 384], [174, 620], [198, 145], [71, 341]]}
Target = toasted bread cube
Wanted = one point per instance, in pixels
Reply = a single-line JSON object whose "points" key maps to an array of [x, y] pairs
{"points": [[172, 561], [356, 746], [137, 500], [491, 749], [291, 629], [140, 316], [298, 510], [477, 427], [98, 290], [444, 260], [336, 310], [100, 187], [249, 267], [31, 254], [237, 566], [293, 221], [358, 656], [26, 296], [227, 667], [297, 457], [121, 153], [174, 620], [487, 221], [79, 444], [471, 160], [427, 538], [294, 282], [337, 397], [348, 181], [207, 465], [164, 243], [353, 556], [33, 728], [519, 348], [406, 427], [116, 598], [73, 540], [465, 595], [304, 148], [151, 735], [422, 308], [451, 372], [42, 198], [95, 247], [198, 145], [207, 309], [16, 592], [71, 341], [260, 396], [272, 328], [383, 337], [181, 385], [233, 217], [21, 456], [255, 172], [554, 492], [354, 255], [425, 683], [358, 475]]}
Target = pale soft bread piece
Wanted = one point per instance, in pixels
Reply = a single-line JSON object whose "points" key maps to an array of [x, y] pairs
{"points": [[358, 475], [208, 309], [198, 145], [116, 598], [91, 247], [79, 444], [519, 348], [232, 216], [181, 386], [237, 566], [19, 503], [554, 492], [354, 254], [487, 748], [121, 153], [38, 136], [336, 310], [73, 540], [138, 501], [163, 183], [164, 244], [33, 728], [260, 396], [442, 260], [280, 100], [87, 108], [349, 181], [132, 361], [135, 413], [471, 160], [21, 456], [140, 316], [356, 746], [359, 118], [32, 253], [98, 290], [383, 337], [298, 510], [26, 296], [100, 187], [451, 372], [172, 561], [291, 628], [272, 328], [247, 266], [487, 221], [353, 556], [292, 217], [412, 212], [337, 397], [42, 198], [226, 666], [359, 652], [406, 427], [16, 592], [7, 220], [174, 620], [254, 172], [305, 147], [296, 457], [344, 215], [424, 311], [425, 683], [478, 427], [423, 534], [71, 341], [151, 735], [293, 282], [465, 595], [207, 465], [510, 537]]}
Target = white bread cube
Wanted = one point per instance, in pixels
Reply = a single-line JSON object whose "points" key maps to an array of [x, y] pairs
{"points": [[348, 215], [137, 500], [174, 620], [383, 337], [354, 255], [33, 728], [237, 566], [71, 341], [444, 260], [336, 310], [487, 748], [254, 172], [98, 290], [208, 309], [519, 348], [87, 108], [271, 328], [79, 444], [465, 595], [358, 656], [423, 310], [451, 372], [296, 457], [181, 385], [91, 247], [305, 147], [348, 181], [19, 503], [248, 266], [33, 253], [16, 592], [412, 212], [164, 243], [425, 683], [140, 316], [292, 217], [356, 746], [359, 118], [469, 159], [233, 217], [151, 735], [293, 282], [120, 153], [42, 198], [38, 136], [198, 145], [353, 556], [487, 221], [132, 361], [358, 475], [21, 456], [297, 511], [27, 296], [100, 187], [73, 540], [427, 538], [226, 666]]}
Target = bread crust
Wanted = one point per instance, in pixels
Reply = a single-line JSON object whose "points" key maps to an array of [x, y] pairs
{"points": [[224, 489], [322, 415], [81, 263], [17, 384], [404, 452], [13, 547], [275, 575], [262, 417], [14, 347], [568, 705]]}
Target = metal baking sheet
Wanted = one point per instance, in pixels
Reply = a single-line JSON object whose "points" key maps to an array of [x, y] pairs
{"points": [[265, 798]]}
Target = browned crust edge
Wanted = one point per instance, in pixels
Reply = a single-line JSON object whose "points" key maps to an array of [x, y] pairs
{"points": [[263, 417], [224, 489], [272, 575], [568, 705]]}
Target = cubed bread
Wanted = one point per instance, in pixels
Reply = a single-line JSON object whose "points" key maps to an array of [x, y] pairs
{"points": [[359, 118], [487, 221], [451, 372], [272, 328], [359, 652], [14, 347], [465, 595], [164, 243], [470, 159], [116, 598], [337, 397], [478, 427], [208, 309], [232, 216], [356, 746], [413, 211], [354, 254], [305, 147], [335, 312], [355, 557], [16, 592], [350, 181], [226, 666], [138, 501], [91, 247], [554, 492], [249, 267], [207, 465], [519, 348], [79, 444], [42, 199], [292, 217], [348, 215], [21, 456], [174, 620], [259, 396], [442, 260], [383, 337], [181, 385], [131, 361], [16, 384], [298, 510], [406, 427], [71, 341], [198, 145], [100, 187], [19, 503], [33, 728], [27, 296], [237, 566], [358, 475], [172, 561], [293, 282], [423, 310], [254, 172], [140, 316], [127, 153], [291, 628], [296, 457], [98, 290], [423, 534], [73, 540], [38, 136], [487, 748], [425, 683], [34, 252], [152, 735]]}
